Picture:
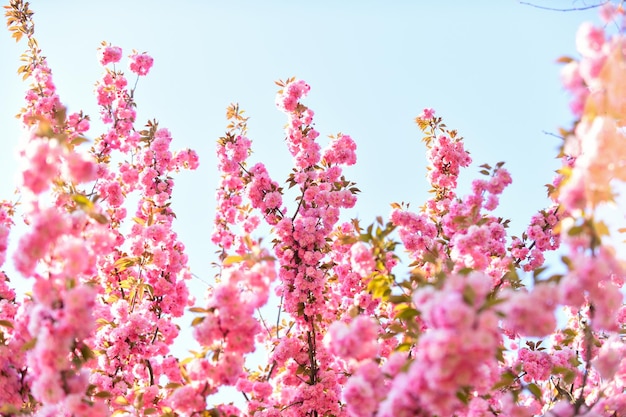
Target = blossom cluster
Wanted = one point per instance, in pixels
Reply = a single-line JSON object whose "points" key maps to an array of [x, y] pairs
{"points": [[233, 150], [229, 332], [457, 352], [144, 277], [102, 299], [301, 248], [595, 82], [449, 224]]}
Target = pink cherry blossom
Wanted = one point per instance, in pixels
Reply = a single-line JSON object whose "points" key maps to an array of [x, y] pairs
{"points": [[531, 313], [589, 39], [140, 64], [108, 54], [356, 340], [427, 114]]}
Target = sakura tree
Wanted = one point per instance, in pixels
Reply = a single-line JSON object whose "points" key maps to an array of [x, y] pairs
{"points": [[470, 330]]}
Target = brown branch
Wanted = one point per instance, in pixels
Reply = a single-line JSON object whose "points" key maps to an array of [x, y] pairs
{"points": [[588, 333], [573, 9], [552, 134]]}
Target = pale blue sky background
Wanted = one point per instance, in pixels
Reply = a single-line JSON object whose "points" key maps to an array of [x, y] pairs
{"points": [[487, 67]]}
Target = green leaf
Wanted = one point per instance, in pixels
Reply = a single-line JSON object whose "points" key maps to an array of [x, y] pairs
{"points": [[505, 380], [564, 60], [103, 394], [538, 272], [500, 354], [121, 401], [575, 230], [30, 344], [78, 140], [196, 321], [232, 259], [469, 295], [404, 347], [126, 262], [601, 228], [213, 412], [6, 323], [407, 314], [399, 299], [491, 302], [395, 328], [9, 410], [82, 201], [463, 397], [86, 352], [535, 390]]}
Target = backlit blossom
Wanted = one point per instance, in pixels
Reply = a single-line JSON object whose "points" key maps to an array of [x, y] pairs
{"points": [[140, 64], [109, 54]]}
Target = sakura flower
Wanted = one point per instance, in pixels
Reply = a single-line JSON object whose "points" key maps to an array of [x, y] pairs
{"points": [[140, 64], [109, 54]]}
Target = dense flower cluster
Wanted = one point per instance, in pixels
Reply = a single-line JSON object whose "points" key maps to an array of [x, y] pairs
{"points": [[232, 151], [95, 309], [143, 277], [12, 338], [596, 84], [300, 249], [457, 354], [452, 227]]}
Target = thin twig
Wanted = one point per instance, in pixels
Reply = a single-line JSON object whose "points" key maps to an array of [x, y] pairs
{"points": [[552, 134], [580, 401], [200, 279], [280, 308], [573, 9], [269, 333]]}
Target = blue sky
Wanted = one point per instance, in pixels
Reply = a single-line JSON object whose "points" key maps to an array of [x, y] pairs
{"points": [[487, 67]]}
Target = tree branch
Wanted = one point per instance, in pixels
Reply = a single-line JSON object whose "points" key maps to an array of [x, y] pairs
{"points": [[573, 9]]}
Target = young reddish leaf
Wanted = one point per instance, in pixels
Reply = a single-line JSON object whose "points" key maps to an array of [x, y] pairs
{"points": [[6, 323]]}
